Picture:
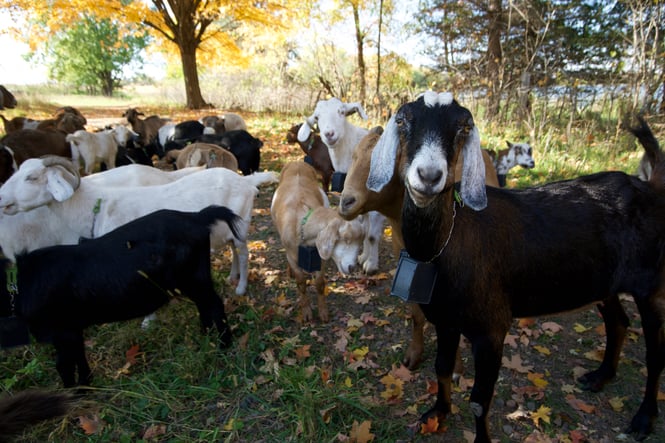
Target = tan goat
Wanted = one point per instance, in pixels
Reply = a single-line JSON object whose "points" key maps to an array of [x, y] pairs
{"points": [[202, 154], [300, 211]]}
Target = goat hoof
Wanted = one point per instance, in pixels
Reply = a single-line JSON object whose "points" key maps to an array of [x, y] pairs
{"points": [[640, 427], [593, 381]]}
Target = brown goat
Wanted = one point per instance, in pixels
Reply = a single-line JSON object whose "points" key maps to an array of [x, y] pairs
{"points": [[147, 128], [23, 144], [7, 99], [317, 152], [356, 199], [202, 154], [500, 254]]}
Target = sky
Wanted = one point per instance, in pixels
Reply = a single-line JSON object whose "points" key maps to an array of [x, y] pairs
{"points": [[14, 70]]}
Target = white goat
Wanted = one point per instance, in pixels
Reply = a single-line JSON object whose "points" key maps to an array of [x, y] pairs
{"points": [[91, 210], [98, 146], [341, 137], [34, 229]]}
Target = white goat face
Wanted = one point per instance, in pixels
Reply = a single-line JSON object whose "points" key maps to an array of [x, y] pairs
{"points": [[330, 116], [523, 155], [342, 241], [26, 188], [121, 134]]}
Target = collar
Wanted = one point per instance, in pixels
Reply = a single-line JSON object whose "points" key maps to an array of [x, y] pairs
{"points": [[302, 224], [95, 211]]}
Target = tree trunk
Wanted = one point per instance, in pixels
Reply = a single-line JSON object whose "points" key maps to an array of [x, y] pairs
{"points": [[361, 58], [494, 58], [191, 75]]}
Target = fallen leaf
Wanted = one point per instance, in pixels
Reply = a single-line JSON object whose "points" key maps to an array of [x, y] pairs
{"points": [[579, 328], [403, 373], [393, 388], [543, 413], [617, 403], [360, 432], [131, 354], [580, 405], [90, 425], [537, 379], [542, 349], [551, 326], [515, 363], [154, 431], [432, 426], [302, 352]]}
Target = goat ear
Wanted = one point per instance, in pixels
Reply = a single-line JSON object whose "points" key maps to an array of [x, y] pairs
{"points": [[384, 155], [510, 145], [305, 130], [350, 108], [473, 173], [325, 241], [59, 183]]}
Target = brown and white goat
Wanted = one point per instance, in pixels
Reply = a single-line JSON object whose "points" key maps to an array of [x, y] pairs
{"points": [[356, 199], [202, 154], [317, 151], [502, 254], [517, 154], [301, 214], [23, 144], [146, 128]]}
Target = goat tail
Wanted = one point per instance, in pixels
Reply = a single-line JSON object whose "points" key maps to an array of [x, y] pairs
{"points": [[262, 178], [648, 141], [212, 214], [652, 151], [27, 408]]}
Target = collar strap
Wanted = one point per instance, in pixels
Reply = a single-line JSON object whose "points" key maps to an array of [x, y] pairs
{"points": [[11, 271], [302, 224]]}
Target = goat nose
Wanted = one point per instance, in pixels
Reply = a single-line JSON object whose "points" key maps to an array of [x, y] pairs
{"points": [[430, 175], [347, 202]]}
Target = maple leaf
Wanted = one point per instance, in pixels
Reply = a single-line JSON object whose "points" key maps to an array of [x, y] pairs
{"points": [[551, 327], [90, 425], [432, 426], [432, 387], [360, 432], [394, 388], [543, 413], [577, 437], [403, 373], [515, 363]]}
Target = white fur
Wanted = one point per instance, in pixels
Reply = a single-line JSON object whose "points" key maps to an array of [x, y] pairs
{"points": [[93, 147], [517, 154], [118, 205], [341, 137]]}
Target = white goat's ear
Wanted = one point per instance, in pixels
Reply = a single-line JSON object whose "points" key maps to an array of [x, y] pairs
{"points": [[325, 240], [384, 155], [473, 190], [57, 184], [350, 108], [304, 131]]}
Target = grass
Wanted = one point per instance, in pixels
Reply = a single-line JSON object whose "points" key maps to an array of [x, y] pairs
{"points": [[285, 382]]}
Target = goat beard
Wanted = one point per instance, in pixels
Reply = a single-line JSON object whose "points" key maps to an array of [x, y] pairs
{"points": [[420, 199]]}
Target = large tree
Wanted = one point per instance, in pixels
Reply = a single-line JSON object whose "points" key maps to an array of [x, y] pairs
{"points": [[92, 55], [199, 30]]}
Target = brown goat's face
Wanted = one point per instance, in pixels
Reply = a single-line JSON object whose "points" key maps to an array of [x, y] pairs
{"points": [[355, 195]]}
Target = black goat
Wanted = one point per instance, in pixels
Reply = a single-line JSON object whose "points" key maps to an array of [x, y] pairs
{"points": [[245, 147], [500, 253], [127, 273]]}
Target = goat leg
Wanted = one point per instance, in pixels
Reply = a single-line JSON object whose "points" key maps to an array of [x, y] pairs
{"points": [[446, 349], [320, 285], [616, 324], [487, 351], [414, 353], [652, 324], [70, 355]]}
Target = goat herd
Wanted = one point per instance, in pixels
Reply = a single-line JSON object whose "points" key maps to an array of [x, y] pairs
{"points": [[80, 245]]}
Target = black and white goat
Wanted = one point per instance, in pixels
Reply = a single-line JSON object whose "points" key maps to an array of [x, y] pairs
{"points": [[125, 274], [502, 253]]}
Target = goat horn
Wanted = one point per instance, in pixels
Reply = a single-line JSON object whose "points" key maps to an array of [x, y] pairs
{"points": [[67, 165]]}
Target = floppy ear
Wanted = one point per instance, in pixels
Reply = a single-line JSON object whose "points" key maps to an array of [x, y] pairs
{"points": [[305, 129], [382, 164], [473, 173], [350, 108], [325, 241], [60, 183]]}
